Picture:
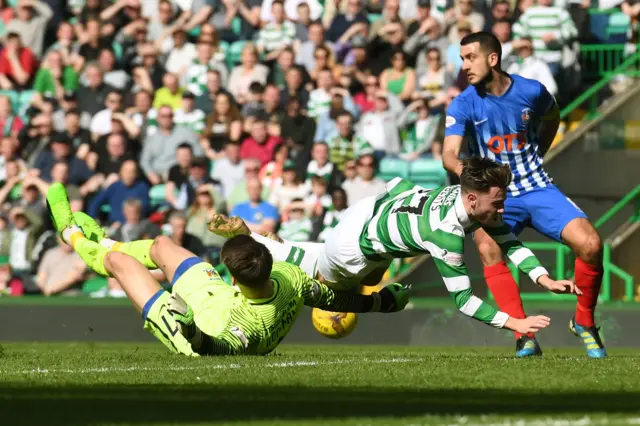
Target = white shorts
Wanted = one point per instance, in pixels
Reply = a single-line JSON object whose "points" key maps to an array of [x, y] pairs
{"points": [[342, 263]]}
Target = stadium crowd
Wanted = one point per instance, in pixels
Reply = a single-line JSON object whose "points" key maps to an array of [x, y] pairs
{"points": [[157, 113]]}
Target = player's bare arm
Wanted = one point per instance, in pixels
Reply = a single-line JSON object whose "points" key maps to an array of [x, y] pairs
{"points": [[451, 154]]}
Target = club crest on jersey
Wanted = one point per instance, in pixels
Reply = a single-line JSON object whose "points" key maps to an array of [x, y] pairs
{"points": [[526, 116], [211, 273]]}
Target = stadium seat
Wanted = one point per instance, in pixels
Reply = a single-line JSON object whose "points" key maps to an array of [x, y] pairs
{"points": [[617, 28], [236, 26], [390, 168], [24, 101], [427, 172], [13, 96], [117, 50], [234, 53], [156, 195], [373, 17]]}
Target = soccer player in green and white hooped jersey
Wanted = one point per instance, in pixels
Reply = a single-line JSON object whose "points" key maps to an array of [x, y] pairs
{"points": [[408, 220]]}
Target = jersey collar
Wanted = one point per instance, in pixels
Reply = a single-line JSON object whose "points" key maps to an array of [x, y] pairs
{"points": [[276, 287], [461, 213]]}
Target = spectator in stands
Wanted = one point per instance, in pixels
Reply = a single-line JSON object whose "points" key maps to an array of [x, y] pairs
{"points": [[530, 66], [399, 79], [318, 201], [198, 177], [61, 270], [180, 52], [69, 103], [307, 49], [421, 129], [80, 137], [303, 21], [500, 11], [551, 28], [291, 8], [114, 196], [271, 173], [254, 105], [390, 39], [91, 98], [230, 169], [260, 144], [462, 12], [320, 99], [54, 78], [320, 165], [107, 167], [188, 115], [135, 226], [31, 26], [366, 184], [199, 215], [143, 115], [421, 12], [271, 104], [10, 123], [298, 226], [346, 145], [178, 174], [277, 34], [162, 21], [433, 84], [206, 101], [294, 86], [158, 152], [379, 129], [298, 131], [430, 34], [195, 76], [223, 124], [169, 94], [61, 151], [25, 229], [334, 214], [93, 42], [180, 236], [247, 72], [290, 188], [35, 137], [342, 21], [390, 14], [101, 124], [17, 64], [632, 9], [259, 215], [453, 61]]}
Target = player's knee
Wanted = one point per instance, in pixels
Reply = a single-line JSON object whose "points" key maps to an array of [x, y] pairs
{"points": [[159, 243], [115, 261], [490, 253], [591, 248]]}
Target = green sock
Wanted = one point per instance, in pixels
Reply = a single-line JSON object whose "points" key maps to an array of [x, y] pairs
{"points": [[161, 324], [92, 253], [139, 250]]}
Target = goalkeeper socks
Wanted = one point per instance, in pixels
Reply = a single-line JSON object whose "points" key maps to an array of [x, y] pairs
{"points": [[92, 253], [139, 250], [290, 253], [159, 322], [505, 291], [588, 279]]}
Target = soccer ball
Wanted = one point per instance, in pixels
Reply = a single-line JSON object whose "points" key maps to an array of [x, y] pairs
{"points": [[334, 325]]}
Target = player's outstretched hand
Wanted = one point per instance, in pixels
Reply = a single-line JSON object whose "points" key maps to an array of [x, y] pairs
{"points": [[528, 325], [560, 286]]}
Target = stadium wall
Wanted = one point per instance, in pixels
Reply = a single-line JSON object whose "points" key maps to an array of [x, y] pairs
{"points": [[439, 325]]}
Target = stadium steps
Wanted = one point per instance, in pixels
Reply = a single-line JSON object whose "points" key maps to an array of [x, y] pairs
{"points": [[625, 244]]}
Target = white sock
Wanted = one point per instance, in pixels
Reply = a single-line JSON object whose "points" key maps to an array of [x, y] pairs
{"points": [[290, 253], [107, 243], [68, 232]]}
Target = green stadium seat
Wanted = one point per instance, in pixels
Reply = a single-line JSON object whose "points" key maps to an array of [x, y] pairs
{"points": [[234, 53], [13, 96], [390, 168], [373, 17], [236, 25], [427, 172], [24, 100], [195, 32], [617, 27], [117, 50], [156, 195]]}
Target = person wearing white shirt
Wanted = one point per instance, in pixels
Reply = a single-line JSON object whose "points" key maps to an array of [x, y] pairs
{"points": [[529, 66]]}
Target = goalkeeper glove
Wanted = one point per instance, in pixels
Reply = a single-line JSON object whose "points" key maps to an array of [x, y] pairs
{"points": [[183, 315], [394, 297]]}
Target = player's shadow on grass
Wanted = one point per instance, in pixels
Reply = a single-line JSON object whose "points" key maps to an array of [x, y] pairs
{"points": [[75, 405]]}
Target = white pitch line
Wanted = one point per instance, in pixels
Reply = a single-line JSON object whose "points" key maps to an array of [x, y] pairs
{"points": [[286, 364]]}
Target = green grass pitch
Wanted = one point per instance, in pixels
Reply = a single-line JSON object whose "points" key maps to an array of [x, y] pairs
{"points": [[99, 384]]}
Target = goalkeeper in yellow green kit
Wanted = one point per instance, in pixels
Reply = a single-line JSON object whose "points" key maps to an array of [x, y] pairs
{"points": [[204, 315]]}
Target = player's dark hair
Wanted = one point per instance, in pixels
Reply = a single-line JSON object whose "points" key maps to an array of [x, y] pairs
{"points": [[482, 174], [248, 261], [488, 43]]}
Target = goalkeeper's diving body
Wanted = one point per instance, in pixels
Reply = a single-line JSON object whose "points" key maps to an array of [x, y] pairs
{"points": [[204, 315], [407, 221]]}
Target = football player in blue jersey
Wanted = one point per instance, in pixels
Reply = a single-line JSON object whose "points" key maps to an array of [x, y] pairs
{"points": [[513, 120]]}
